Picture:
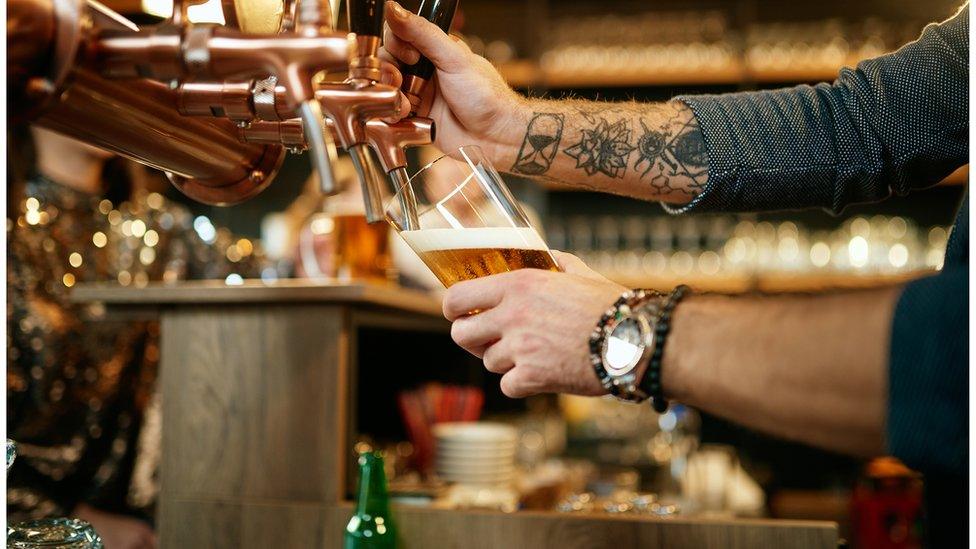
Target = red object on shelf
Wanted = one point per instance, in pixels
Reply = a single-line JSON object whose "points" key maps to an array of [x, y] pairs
{"points": [[433, 403], [886, 511]]}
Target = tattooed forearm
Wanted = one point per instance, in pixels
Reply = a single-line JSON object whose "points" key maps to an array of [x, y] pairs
{"points": [[602, 148], [541, 142], [671, 149], [653, 151]]}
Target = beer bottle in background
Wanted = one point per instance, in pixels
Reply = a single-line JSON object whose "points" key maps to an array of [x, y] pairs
{"points": [[371, 527]]}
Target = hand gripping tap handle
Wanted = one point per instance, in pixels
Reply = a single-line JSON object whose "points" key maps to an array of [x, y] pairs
{"points": [[415, 77]]}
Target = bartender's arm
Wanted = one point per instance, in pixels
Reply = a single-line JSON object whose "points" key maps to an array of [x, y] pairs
{"points": [[854, 372], [808, 368], [888, 126]]}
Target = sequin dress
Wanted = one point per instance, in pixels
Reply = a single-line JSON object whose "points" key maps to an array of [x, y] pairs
{"points": [[81, 399]]}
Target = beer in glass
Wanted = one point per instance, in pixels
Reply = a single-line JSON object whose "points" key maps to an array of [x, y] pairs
{"points": [[458, 215]]}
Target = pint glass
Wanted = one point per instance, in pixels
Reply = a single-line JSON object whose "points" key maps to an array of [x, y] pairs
{"points": [[457, 214]]}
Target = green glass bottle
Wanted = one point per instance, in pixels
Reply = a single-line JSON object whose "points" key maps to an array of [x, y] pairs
{"points": [[371, 527]]}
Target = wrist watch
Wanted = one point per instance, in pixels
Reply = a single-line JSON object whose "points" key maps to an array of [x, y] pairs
{"points": [[623, 341]]}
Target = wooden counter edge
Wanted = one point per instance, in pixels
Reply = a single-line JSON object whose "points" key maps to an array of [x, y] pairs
{"points": [[422, 527], [255, 291]]}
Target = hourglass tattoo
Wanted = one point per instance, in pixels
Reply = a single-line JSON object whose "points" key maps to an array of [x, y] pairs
{"points": [[540, 144], [675, 148]]}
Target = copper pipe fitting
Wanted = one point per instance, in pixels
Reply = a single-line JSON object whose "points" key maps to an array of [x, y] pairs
{"points": [[290, 133], [218, 53], [365, 63], [223, 100], [413, 87], [314, 18], [138, 119]]}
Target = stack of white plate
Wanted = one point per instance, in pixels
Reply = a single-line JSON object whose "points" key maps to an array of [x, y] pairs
{"points": [[480, 454]]}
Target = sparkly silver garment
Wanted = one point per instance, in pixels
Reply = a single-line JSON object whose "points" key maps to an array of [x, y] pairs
{"points": [[80, 384]]}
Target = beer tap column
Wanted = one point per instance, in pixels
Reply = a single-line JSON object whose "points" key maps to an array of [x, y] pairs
{"points": [[366, 21], [413, 130]]}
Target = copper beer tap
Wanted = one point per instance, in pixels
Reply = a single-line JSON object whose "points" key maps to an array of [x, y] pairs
{"points": [[81, 69], [360, 98], [355, 105], [204, 51], [50, 84], [349, 104]]}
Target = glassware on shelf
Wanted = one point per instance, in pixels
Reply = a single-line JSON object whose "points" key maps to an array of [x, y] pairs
{"points": [[634, 248], [708, 478]]}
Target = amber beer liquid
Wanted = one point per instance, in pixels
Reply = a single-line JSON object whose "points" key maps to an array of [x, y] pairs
{"points": [[454, 255]]}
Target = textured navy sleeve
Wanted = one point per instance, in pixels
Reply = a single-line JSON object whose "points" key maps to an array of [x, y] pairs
{"points": [[895, 123], [928, 393]]}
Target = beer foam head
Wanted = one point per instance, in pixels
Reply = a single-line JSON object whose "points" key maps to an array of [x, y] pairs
{"points": [[513, 238]]}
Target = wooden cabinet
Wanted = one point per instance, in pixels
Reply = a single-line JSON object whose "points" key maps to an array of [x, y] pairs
{"points": [[258, 384]]}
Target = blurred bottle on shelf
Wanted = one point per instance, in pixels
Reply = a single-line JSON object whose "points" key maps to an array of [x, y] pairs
{"points": [[371, 526]]}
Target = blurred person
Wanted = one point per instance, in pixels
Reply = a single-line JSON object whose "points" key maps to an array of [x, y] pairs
{"points": [[81, 401], [860, 372]]}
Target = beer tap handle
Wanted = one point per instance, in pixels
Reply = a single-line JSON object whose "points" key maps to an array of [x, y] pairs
{"points": [[415, 77], [365, 17], [366, 22]]}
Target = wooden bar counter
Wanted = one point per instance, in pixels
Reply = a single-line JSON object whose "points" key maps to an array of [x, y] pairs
{"points": [[258, 387]]}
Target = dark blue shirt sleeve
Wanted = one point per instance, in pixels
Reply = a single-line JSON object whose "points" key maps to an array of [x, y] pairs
{"points": [[893, 124], [928, 394]]}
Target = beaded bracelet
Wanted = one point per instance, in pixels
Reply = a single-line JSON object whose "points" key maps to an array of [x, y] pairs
{"points": [[651, 383]]}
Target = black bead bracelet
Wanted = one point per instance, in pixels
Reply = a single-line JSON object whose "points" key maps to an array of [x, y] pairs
{"points": [[651, 383]]}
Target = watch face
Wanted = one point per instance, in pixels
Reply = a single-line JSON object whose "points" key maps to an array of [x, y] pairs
{"points": [[624, 347]]}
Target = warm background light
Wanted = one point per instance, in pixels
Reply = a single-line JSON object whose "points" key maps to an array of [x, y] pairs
{"points": [[209, 12]]}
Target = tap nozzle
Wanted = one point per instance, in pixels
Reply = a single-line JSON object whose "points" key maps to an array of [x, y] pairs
{"points": [[371, 178], [391, 140], [320, 145], [351, 107]]}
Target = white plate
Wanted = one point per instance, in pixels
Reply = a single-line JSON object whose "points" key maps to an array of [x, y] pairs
{"points": [[475, 432], [475, 465], [474, 469], [481, 460], [455, 453], [477, 479]]}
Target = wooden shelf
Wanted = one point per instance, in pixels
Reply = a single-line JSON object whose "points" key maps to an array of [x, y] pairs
{"points": [[958, 177], [527, 73], [769, 282]]}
